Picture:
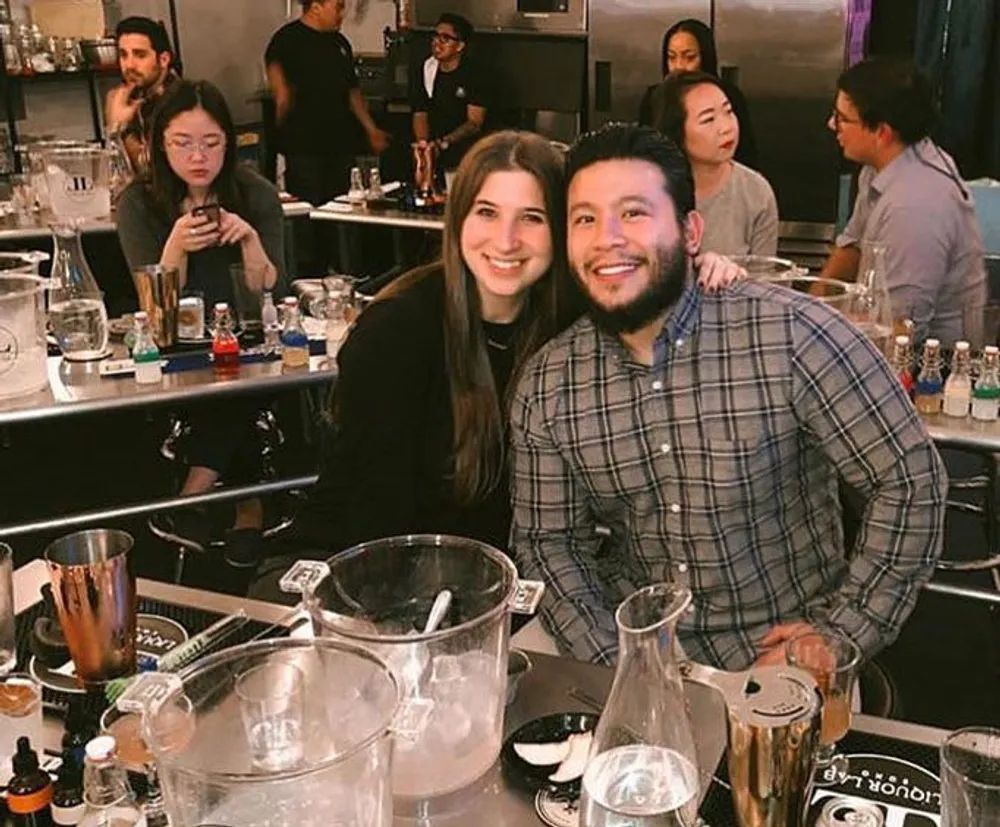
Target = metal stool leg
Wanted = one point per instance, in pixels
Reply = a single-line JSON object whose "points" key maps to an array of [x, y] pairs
{"points": [[179, 565]]}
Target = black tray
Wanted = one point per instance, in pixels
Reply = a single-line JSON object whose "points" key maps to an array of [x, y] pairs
{"points": [[892, 774], [194, 620]]}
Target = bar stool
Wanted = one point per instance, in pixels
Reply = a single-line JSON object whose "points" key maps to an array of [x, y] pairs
{"points": [[270, 440], [987, 483]]}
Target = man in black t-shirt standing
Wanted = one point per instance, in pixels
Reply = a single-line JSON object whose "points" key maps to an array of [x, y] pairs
{"points": [[310, 70], [448, 97]]}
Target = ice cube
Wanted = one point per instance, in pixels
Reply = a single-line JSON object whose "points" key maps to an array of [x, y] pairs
{"points": [[408, 662]]}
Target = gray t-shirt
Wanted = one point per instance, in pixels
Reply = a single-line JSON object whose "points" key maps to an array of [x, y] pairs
{"points": [[742, 217], [143, 231], [920, 209]]}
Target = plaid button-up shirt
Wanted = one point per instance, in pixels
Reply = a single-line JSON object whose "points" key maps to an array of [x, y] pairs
{"points": [[717, 468]]}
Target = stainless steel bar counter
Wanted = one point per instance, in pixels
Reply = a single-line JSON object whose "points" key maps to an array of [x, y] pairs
{"points": [[552, 685], [14, 228], [78, 387]]}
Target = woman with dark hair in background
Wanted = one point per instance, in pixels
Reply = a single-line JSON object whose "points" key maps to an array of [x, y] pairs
{"points": [[197, 209], [737, 203], [689, 46]]}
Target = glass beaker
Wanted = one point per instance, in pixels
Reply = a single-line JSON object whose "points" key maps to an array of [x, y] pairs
{"points": [[77, 313], [643, 768], [209, 764]]}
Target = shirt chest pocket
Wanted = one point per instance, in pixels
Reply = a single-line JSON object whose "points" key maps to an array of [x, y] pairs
{"points": [[726, 468]]}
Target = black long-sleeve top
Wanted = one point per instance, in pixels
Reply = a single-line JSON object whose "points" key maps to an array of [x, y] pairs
{"points": [[387, 469]]}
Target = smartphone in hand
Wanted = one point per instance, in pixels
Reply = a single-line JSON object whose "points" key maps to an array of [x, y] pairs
{"points": [[210, 211]]}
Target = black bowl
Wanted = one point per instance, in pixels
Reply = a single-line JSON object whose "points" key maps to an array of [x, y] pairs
{"points": [[559, 727]]}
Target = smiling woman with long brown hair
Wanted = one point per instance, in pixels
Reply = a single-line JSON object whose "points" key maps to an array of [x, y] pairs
{"points": [[419, 409]]}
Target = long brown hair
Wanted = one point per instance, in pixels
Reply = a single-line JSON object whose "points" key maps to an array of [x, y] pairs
{"points": [[478, 414]]}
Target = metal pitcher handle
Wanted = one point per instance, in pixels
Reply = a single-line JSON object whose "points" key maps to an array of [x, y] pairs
{"points": [[526, 597], [304, 578]]}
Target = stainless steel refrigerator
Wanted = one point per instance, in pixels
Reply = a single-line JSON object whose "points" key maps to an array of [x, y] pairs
{"points": [[784, 54]]}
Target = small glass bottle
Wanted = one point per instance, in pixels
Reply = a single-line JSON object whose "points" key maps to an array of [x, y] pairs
{"points": [[958, 388], [356, 193], [225, 346], [294, 342], [986, 393], [269, 321], [901, 360], [106, 791], [930, 383], [67, 795], [29, 792], [145, 353], [374, 184]]}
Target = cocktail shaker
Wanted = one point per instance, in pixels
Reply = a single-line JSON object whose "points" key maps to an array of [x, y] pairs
{"points": [[96, 600], [774, 720]]}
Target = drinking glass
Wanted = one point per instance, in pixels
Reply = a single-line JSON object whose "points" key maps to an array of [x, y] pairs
{"points": [[191, 315], [970, 778], [8, 640], [271, 706], [247, 300], [20, 716], [833, 661]]}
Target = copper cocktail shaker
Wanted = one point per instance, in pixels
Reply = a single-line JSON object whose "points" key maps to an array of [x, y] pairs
{"points": [[95, 596]]}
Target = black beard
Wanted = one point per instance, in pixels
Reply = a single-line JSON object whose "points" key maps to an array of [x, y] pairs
{"points": [[664, 289]]}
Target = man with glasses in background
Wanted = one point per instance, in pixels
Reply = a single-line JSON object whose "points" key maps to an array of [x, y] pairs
{"points": [[145, 60], [912, 200], [448, 96]]}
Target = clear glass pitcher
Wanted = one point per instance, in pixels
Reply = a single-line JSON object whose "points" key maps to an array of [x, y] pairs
{"points": [[280, 733], [643, 768], [436, 608], [77, 313], [871, 310], [79, 182], [23, 349]]}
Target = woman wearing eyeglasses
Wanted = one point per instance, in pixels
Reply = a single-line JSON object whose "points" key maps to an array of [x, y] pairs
{"points": [[162, 218], [200, 211]]}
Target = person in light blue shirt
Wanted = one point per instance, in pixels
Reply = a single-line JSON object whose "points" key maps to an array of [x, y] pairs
{"points": [[912, 200]]}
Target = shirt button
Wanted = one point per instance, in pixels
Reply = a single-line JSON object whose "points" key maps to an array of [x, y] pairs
{"points": [[682, 567], [665, 448], [657, 385], [675, 508]]}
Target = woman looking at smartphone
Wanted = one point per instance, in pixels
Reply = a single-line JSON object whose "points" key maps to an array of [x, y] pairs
{"points": [[196, 208], [200, 211]]}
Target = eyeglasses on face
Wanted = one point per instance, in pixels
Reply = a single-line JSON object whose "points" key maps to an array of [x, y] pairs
{"points": [[444, 37], [840, 119], [188, 146]]}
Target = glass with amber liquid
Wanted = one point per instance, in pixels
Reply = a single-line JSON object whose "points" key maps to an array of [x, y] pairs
{"points": [[833, 660]]}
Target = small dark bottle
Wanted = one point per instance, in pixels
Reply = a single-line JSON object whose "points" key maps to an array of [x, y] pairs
{"points": [[67, 795], [29, 793], [79, 729]]}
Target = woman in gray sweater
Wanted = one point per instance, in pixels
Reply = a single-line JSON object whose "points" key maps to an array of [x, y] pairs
{"points": [[737, 203], [198, 210]]}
